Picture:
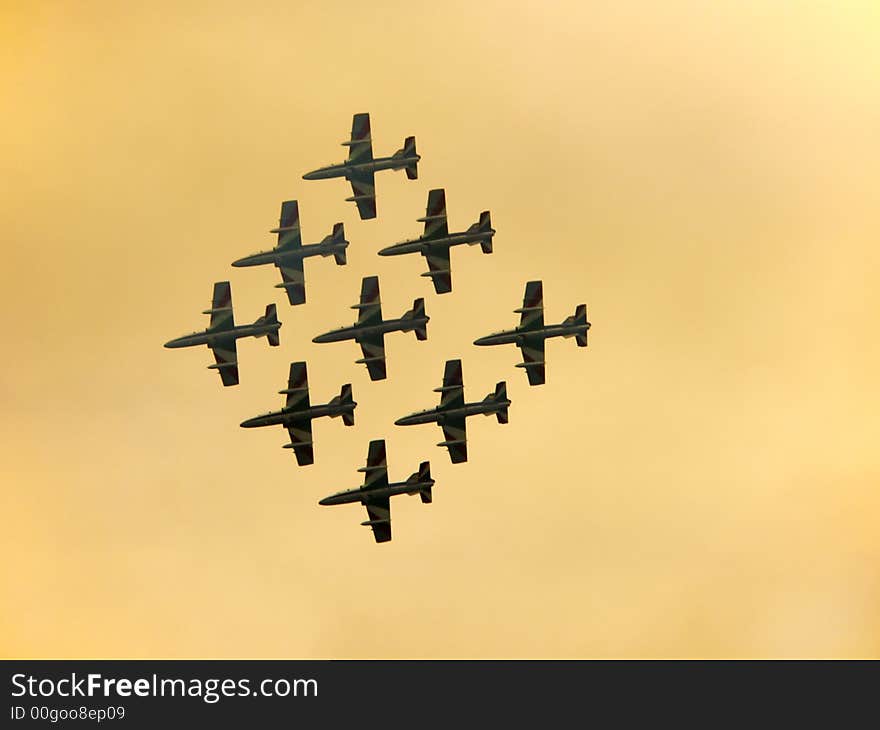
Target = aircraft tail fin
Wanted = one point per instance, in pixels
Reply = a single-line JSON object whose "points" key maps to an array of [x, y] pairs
{"points": [[338, 238], [482, 226], [499, 396], [580, 318], [409, 150], [421, 479], [345, 398], [418, 312], [271, 317]]}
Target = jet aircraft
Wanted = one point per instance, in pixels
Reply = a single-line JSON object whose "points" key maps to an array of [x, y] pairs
{"points": [[369, 330], [435, 242], [360, 167], [531, 333], [376, 492], [451, 415], [298, 412], [222, 333], [290, 252]]}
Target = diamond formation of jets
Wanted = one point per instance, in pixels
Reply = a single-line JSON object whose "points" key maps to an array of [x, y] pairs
{"points": [[376, 492], [290, 252], [529, 337], [451, 415], [222, 333], [361, 167], [369, 330], [298, 412], [435, 242]]}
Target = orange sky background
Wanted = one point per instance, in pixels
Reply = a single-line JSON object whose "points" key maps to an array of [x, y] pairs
{"points": [[703, 480]]}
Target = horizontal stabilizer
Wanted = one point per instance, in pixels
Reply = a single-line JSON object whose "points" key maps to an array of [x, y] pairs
{"points": [[486, 245], [340, 257], [348, 418], [581, 340], [501, 415]]}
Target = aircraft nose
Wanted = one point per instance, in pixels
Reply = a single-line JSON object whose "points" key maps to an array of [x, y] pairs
{"points": [[326, 501], [248, 423], [310, 175], [481, 341]]}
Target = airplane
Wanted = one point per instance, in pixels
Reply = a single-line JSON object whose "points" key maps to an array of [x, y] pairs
{"points": [[451, 415], [376, 492], [288, 255], [369, 331], [298, 412], [531, 333], [435, 242], [360, 167], [222, 333]]}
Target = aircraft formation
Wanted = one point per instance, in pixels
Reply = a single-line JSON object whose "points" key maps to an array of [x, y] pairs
{"points": [[370, 328]]}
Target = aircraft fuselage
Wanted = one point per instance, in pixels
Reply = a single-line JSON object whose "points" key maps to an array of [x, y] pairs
{"points": [[519, 336], [419, 245], [356, 332], [440, 414], [285, 416], [210, 337], [345, 169], [363, 495], [279, 256]]}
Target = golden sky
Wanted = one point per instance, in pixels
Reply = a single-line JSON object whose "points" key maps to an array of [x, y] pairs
{"points": [[703, 480]]}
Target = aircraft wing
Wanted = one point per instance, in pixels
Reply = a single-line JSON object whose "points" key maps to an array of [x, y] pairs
{"points": [[532, 312], [373, 348], [439, 268], [221, 308], [435, 215], [363, 187], [226, 360], [294, 280], [360, 146], [452, 391], [301, 439], [379, 511], [370, 313], [370, 305], [298, 387], [378, 508], [289, 236], [455, 438], [533, 359]]}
